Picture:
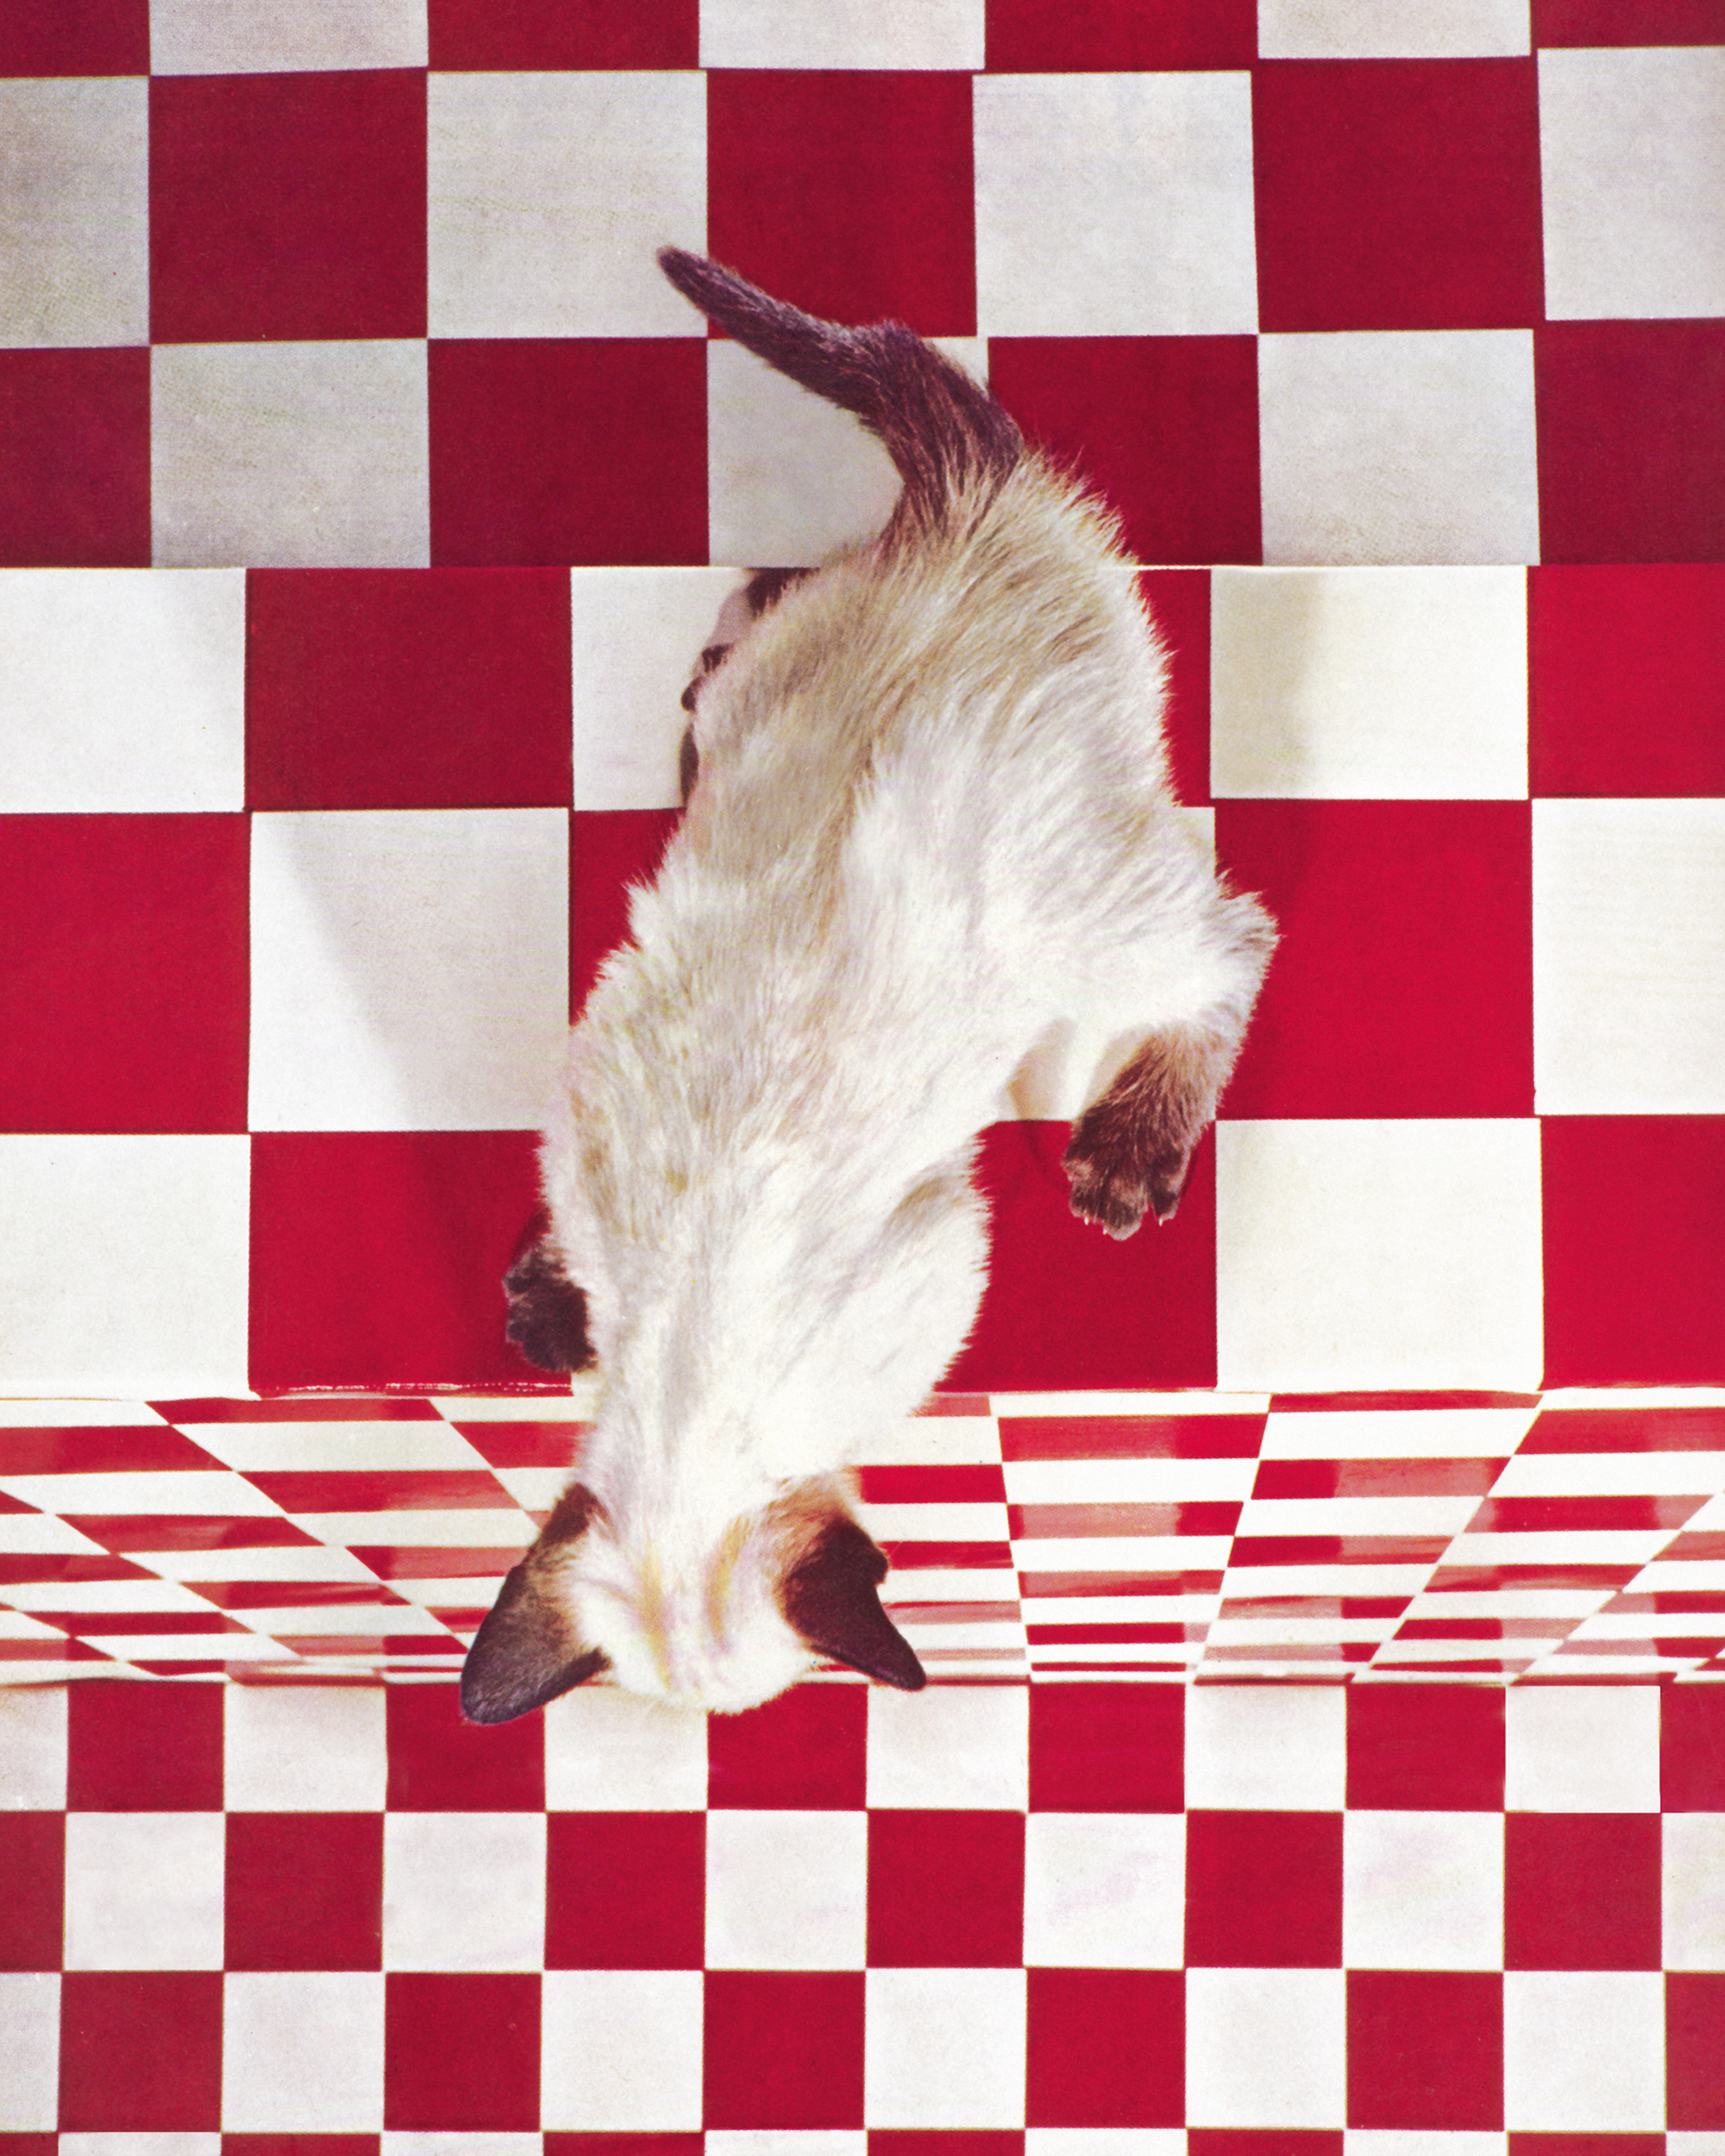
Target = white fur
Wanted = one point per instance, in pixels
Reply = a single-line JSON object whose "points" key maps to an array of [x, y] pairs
{"points": [[932, 822]]}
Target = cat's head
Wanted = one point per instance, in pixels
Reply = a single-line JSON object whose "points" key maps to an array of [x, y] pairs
{"points": [[720, 1624]]}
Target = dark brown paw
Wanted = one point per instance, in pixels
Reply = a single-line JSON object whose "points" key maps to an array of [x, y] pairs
{"points": [[548, 1314], [1114, 1186]]}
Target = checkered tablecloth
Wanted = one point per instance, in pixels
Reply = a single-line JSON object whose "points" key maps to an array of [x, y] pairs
{"points": [[1401, 1921], [1300, 281]]}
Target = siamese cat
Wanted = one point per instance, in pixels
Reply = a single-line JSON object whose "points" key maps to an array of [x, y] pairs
{"points": [[928, 823]]}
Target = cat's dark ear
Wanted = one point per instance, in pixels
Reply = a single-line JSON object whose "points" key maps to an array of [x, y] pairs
{"points": [[832, 1599], [524, 1654], [548, 1314]]}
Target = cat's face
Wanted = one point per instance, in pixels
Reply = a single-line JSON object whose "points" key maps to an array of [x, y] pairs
{"points": [[719, 1623]]}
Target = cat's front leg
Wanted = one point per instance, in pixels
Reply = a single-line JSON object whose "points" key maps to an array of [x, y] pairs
{"points": [[1132, 1152], [548, 1314]]}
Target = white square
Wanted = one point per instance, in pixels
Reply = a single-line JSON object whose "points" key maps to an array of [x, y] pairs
{"points": [[786, 1889], [1105, 2140], [32, 1726], [152, 1231], [1581, 1748], [291, 455], [464, 1890], [74, 212], [1372, 2141], [637, 637], [1266, 1748], [790, 477], [241, 37], [827, 34], [1378, 1256], [1115, 205], [944, 2048], [410, 968], [1629, 957], [1422, 1890], [1391, 29], [1266, 2047], [460, 2144], [140, 2145], [302, 2053], [951, 1747], [1386, 446], [1693, 1862], [548, 194], [620, 2050], [1583, 2052], [121, 690], [607, 1752], [29, 2043], [784, 2140], [1631, 175], [143, 1889], [1369, 684], [1695, 2144], [1105, 1889]]}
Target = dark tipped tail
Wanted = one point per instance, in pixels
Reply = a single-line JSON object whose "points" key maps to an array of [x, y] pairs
{"points": [[942, 431]]}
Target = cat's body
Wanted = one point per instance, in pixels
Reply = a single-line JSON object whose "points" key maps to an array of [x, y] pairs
{"points": [[931, 826]]}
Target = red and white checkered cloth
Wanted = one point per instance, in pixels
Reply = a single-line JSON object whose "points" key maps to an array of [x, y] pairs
{"points": [[1299, 281], [1407, 1920]]}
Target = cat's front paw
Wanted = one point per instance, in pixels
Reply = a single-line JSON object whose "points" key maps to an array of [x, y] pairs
{"points": [[1114, 1184], [548, 1314]]}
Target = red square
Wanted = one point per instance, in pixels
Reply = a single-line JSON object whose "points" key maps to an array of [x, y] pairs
{"points": [[850, 194], [287, 206], [626, 1890], [1370, 896], [939, 2141], [461, 2054], [1179, 603], [1424, 1747], [583, 451], [135, 1747], [946, 1890], [299, 2145], [438, 1763], [1625, 22], [1627, 675], [624, 2145], [1104, 2047], [807, 1751], [1398, 195], [1587, 2145], [1692, 1748], [305, 1891], [75, 37], [559, 34], [1695, 2052], [1635, 1293], [1107, 1748], [33, 1864], [1425, 2049], [1631, 455], [1066, 1306], [1164, 430], [377, 1257], [126, 1007], [1581, 1891], [141, 2051], [1264, 1890], [784, 2050], [1119, 36], [401, 688], [610, 849], [75, 459]]}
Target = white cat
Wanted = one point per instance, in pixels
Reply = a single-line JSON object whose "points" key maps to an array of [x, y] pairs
{"points": [[932, 825]]}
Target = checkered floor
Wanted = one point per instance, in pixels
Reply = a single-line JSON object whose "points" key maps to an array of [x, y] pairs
{"points": [[1401, 1921], [1300, 281]]}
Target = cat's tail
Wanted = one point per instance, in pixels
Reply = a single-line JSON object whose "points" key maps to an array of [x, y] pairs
{"points": [[948, 437]]}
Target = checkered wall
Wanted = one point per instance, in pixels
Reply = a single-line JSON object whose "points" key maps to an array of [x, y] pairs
{"points": [[313, 868], [1084, 1921], [1297, 281]]}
